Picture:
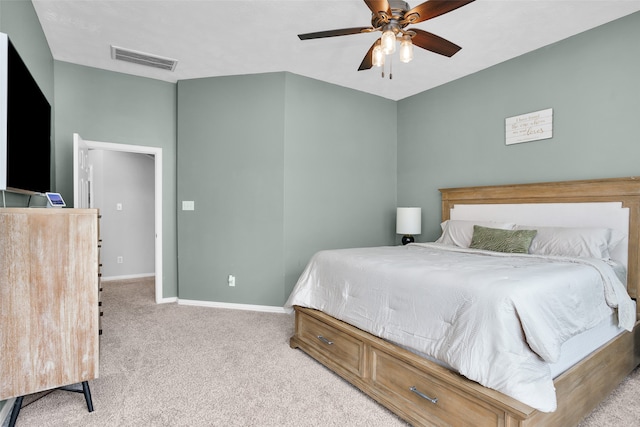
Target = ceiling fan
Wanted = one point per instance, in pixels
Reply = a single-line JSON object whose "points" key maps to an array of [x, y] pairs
{"points": [[391, 17]]}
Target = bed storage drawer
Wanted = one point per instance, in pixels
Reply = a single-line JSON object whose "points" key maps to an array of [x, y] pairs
{"points": [[428, 399], [340, 349]]}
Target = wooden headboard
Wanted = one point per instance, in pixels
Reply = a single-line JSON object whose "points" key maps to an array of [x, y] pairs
{"points": [[624, 190]]}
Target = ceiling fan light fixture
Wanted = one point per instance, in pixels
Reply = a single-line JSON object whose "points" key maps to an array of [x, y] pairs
{"points": [[388, 41], [377, 56], [391, 17], [406, 49]]}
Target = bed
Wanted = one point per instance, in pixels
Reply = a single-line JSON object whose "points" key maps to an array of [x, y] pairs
{"points": [[424, 385]]}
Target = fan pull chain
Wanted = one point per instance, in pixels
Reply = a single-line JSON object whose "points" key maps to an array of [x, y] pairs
{"points": [[390, 68]]}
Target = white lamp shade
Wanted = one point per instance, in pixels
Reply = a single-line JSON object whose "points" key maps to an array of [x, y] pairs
{"points": [[409, 221]]}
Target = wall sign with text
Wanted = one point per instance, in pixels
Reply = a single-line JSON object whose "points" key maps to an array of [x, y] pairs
{"points": [[529, 127]]}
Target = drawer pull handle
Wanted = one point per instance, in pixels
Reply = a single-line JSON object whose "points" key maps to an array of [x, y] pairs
{"points": [[433, 400], [324, 340]]}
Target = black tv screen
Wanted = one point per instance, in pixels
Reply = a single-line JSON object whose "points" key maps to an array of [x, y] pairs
{"points": [[28, 134]]}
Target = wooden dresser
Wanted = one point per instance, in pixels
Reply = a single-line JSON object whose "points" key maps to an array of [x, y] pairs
{"points": [[49, 286]]}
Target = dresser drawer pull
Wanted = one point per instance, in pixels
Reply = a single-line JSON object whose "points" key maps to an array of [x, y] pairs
{"points": [[324, 340], [433, 400]]}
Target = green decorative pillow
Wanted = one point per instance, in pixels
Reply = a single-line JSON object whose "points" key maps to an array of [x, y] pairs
{"points": [[497, 240]]}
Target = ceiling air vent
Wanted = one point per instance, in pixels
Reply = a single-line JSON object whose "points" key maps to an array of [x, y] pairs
{"points": [[142, 58]]}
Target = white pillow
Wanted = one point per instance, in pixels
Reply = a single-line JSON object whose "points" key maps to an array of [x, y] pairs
{"points": [[576, 242], [457, 232]]}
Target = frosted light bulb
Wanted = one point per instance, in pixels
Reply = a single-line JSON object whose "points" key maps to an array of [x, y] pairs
{"points": [[388, 42], [378, 56], [406, 49]]}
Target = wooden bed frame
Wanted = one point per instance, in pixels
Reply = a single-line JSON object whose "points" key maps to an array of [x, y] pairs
{"points": [[425, 393]]}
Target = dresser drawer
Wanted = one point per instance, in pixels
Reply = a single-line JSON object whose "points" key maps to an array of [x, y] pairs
{"points": [[428, 399], [340, 349]]}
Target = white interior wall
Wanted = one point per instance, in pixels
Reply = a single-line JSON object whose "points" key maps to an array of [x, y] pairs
{"points": [[125, 180]]}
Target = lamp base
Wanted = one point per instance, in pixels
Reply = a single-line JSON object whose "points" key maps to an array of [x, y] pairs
{"points": [[407, 238]]}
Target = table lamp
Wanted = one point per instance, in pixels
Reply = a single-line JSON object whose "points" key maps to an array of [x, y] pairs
{"points": [[408, 223]]}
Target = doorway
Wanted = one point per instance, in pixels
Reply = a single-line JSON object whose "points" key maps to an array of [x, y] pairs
{"points": [[83, 189]]}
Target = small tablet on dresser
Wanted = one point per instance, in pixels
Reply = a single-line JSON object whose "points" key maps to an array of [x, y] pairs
{"points": [[55, 200]]}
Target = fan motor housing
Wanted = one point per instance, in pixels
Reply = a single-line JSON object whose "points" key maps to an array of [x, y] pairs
{"points": [[398, 9], [399, 5]]}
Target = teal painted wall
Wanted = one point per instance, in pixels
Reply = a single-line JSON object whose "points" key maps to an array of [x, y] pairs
{"points": [[119, 108], [454, 135], [340, 171], [230, 163], [279, 166], [19, 21]]}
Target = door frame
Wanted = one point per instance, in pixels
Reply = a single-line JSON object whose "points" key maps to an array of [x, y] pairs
{"points": [[157, 153]]}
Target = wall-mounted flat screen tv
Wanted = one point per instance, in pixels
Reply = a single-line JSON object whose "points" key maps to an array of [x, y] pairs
{"points": [[25, 126]]}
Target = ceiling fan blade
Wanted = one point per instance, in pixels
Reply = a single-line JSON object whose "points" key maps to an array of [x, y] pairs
{"points": [[434, 43], [367, 62], [432, 8], [333, 33], [379, 6]]}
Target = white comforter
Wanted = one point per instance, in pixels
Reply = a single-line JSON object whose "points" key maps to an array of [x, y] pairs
{"points": [[498, 319]]}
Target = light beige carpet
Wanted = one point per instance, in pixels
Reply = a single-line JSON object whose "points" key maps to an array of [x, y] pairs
{"points": [[171, 365]]}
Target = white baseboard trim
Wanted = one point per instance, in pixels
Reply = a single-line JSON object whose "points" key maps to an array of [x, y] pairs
{"points": [[127, 277], [6, 410], [167, 300], [233, 306]]}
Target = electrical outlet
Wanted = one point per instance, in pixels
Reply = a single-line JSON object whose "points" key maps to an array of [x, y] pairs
{"points": [[232, 280], [120, 260]]}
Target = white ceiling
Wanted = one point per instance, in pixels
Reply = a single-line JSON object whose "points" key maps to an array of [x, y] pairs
{"points": [[218, 38]]}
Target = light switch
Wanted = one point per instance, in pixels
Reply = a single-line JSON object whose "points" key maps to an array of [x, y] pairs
{"points": [[118, 206], [188, 205]]}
